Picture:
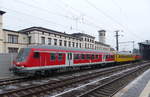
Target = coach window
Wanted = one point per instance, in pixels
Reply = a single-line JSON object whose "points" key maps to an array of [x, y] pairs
{"points": [[82, 56], [107, 56], [60, 56], [53, 57], [92, 56], [88, 56], [36, 55], [76, 56], [96, 56]]}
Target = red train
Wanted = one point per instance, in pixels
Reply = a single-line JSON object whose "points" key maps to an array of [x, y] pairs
{"points": [[37, 59]]}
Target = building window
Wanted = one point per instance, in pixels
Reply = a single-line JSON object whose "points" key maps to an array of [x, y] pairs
{"points": [[43, 40], [76, 44], [29, 39], [88, 39], [65, 43], [85, 45], [12, 38], [72, 44], [49, 41], [12, 50], [69, 44], [55, 41], [80, 45], [60, 42]]}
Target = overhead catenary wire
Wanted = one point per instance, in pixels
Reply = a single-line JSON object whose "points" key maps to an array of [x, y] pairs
{"points": [[124, 14], [104, 13], [54, 13], [39, 18], [108, 16], [81, 13]]}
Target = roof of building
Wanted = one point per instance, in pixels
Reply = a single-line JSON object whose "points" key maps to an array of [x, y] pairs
{"points": [[2, 12], [102, 31], [97, 42], [25, 31], [147, 42], [11, 31], [82, 34]]}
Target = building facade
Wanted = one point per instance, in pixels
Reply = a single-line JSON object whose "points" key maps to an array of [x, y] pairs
{"points": [[145, 49], [12, 41]]}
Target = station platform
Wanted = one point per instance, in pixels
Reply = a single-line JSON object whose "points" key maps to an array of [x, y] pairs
{"points": [[140, 87]]}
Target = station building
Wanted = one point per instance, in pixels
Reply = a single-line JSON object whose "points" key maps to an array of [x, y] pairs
{"points": [[145, 49], [11, 41]]}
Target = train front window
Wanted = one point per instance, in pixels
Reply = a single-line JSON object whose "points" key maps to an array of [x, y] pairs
{"points": [[22, 55]]}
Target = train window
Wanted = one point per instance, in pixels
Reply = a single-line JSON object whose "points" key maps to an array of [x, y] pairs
{"points": [[82, 56], [76, 56], [70, 56], [23, 54], [36, 55], [107, 56], [88, 56], [60, 56], [92, 56], [96, 56], [52, 56]]}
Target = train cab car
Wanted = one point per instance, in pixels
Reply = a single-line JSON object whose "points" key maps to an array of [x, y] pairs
{"points": [[42, 58]]}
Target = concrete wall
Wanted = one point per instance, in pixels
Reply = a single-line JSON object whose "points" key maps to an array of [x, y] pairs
{"points": [[1, 35], [5, 63]]}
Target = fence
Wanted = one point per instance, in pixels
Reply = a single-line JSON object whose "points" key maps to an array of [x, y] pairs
{"points": [[6, 61]]}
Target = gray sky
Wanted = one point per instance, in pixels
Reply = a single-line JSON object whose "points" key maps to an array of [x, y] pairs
{"points": [[131, 17]]}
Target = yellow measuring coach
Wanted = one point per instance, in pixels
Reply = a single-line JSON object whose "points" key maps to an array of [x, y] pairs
{"points": [[124, 57]]}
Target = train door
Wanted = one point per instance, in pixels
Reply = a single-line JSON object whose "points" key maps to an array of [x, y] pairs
{"points": [[103, 58], [43, 59], [69, 59]]}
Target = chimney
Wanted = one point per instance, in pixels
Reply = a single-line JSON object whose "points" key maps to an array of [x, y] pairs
{"points": [[1, 32], [102, 36]]}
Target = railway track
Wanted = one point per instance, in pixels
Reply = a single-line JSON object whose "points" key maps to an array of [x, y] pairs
{"points": [[10, 81], [111, 87], [58, 86], [106, 87]]}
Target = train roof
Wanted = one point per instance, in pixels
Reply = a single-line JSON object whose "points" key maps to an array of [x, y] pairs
{"points": [[67, 48]]}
